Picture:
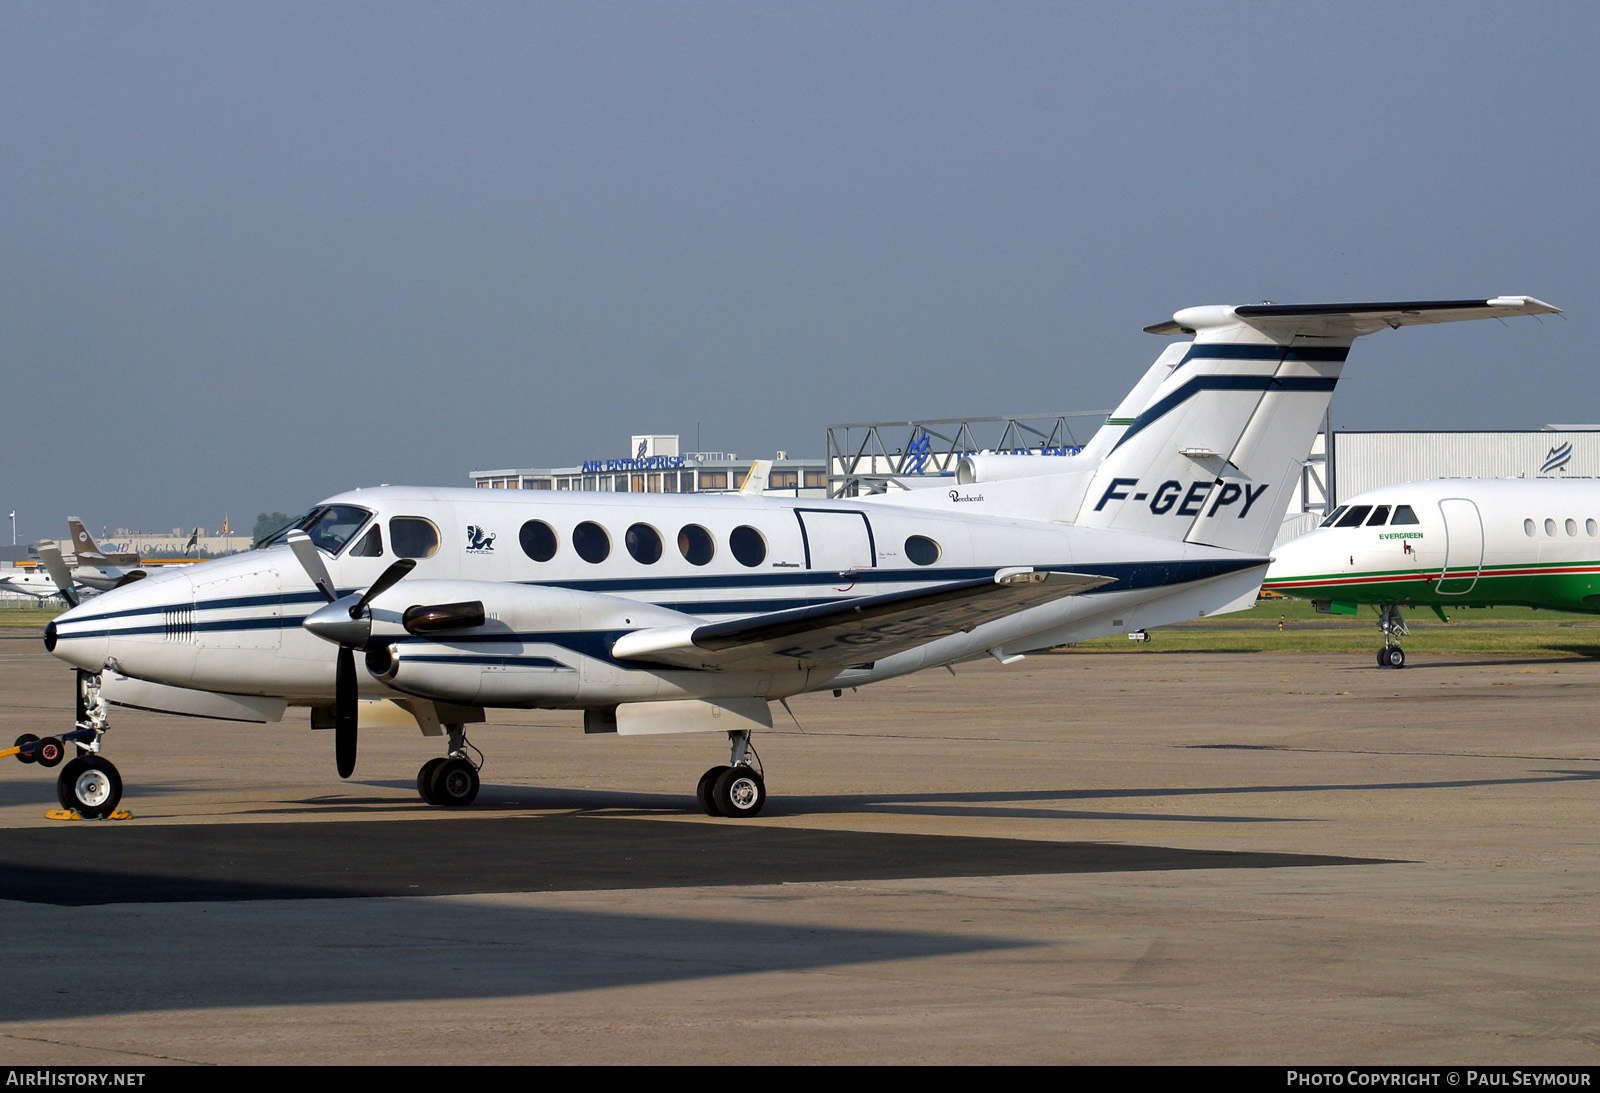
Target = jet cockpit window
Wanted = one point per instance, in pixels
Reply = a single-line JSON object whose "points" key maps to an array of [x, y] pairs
{"points": [[371, 544], [1380, 516], [1353, 518], [1404, 515], [1332, 516], [413, 537], [329, 526]]}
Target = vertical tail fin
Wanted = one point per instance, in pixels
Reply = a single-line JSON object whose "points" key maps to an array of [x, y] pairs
{"points": [[83, 544], [756, 480], [1212, 452]]}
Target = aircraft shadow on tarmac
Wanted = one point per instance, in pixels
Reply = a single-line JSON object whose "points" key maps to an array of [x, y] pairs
{"points": [[473, 855], [330, 953]]}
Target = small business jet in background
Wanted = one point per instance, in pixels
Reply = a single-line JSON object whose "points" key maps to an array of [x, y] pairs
{"points": [[33, 582], [94, 568], [1451, 542], [665, 613]]}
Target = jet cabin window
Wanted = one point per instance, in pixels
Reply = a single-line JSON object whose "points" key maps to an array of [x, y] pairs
{"points": [[748, 545], [538, 540], [413, 537]]}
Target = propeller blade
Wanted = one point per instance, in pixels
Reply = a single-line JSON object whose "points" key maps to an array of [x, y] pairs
{"points": [[344, 712], [386, 580], [50, 555], [311, 561]]}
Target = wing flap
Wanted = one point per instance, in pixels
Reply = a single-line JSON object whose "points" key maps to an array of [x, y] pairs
{"points": [[848, 632]]}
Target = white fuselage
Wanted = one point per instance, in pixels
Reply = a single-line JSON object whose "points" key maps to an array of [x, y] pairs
{"points": [[1523, 541], [233, 625], [29, 582]]}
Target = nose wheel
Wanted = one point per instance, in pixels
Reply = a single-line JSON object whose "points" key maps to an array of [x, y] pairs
{"points": [[90, 786], [1393, 625]]}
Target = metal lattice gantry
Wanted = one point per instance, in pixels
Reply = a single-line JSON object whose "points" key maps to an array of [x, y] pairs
{"points": [[875, 456]]}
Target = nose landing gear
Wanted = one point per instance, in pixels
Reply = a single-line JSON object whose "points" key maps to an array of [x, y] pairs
{"points": [[1393, 625], [89, 784]]}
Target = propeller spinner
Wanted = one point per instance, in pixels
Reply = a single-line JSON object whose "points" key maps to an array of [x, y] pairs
{"points": [[346, 621]]}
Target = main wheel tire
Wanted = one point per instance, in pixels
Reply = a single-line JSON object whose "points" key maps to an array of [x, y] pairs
{"points": [[740, 792], [26, 756], [1397, 657], [454, 784], [1383, 657], [706, 791], [49, 751], [90, 785], [425, 779]]}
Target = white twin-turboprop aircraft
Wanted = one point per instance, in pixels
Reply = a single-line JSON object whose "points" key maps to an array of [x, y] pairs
{"points": [[684, 613]]}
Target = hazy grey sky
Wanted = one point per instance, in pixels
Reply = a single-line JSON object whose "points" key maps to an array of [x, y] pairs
{"points": [[254, 254]]}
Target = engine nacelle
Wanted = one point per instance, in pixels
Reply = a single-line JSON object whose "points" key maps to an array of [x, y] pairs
{"points": [[986, 467], [488, 643]]}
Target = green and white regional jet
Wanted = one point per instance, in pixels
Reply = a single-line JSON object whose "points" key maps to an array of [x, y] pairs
{"points": [[1451, 542]]}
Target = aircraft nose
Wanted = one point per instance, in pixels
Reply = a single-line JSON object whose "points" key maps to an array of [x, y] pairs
{"points": [[79, 637]]}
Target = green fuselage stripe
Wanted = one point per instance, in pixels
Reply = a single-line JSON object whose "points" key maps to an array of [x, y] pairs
{"points": [[1565, 586]]}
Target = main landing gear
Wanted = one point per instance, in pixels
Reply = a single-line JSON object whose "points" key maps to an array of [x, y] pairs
{"points": [[89, 784], [738, 789], [451, 780], [1393, 625]]}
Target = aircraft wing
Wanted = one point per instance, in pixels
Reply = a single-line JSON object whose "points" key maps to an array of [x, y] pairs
{"points": [[849, 632]]}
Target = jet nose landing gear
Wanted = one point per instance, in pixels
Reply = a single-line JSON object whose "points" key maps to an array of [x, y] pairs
{"points": [[1393, 625]]}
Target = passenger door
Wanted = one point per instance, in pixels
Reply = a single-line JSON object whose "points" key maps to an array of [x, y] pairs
{"points": [[1463, 550]]}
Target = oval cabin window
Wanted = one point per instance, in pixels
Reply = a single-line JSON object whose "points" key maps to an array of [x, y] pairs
{"points": [[748, 545], [538, 540], [591, 542], [644, 543], [922, 550], [695, 544]]}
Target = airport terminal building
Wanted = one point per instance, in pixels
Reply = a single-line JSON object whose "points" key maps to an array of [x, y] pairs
{"points": [[658, 466]]}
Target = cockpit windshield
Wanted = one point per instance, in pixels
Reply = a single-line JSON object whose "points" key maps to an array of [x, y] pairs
{"points": [[329, 526]]}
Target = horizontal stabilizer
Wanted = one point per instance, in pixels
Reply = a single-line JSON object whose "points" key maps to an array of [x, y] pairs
{"points": [[1350, 320], [854, 631]]}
